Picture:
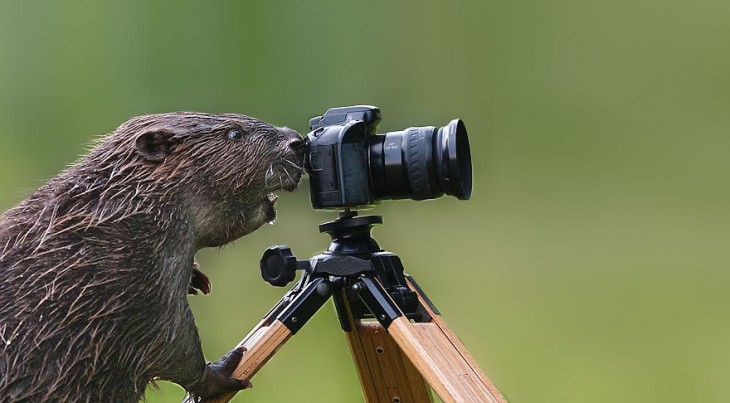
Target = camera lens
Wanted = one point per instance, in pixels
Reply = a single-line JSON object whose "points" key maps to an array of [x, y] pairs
{"points": [[421, 163]]}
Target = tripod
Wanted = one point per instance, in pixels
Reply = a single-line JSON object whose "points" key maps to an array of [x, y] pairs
{"points": [[398, 340]]}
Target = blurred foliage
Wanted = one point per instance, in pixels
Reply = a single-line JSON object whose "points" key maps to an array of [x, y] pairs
{"points": [[592, 260]]}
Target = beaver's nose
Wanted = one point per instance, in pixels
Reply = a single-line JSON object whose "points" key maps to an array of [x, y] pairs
{"points": [[296, 142]]}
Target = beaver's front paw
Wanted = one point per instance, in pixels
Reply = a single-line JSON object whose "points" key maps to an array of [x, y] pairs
{"points": [[218, 378], [198, 281]]}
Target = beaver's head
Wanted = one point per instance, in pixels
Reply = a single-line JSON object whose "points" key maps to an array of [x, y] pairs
{"points": [[224, 170]]}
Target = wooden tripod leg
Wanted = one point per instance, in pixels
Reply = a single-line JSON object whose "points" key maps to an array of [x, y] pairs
{"points": [[442, 360], [386, 374], [285, 319], [260, 344], [441, 363], [427, 353]]}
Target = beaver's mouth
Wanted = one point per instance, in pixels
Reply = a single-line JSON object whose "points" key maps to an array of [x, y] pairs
{"points": [[269, 201], [269, 209]]}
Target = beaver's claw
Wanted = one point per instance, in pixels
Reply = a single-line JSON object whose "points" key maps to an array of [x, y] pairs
{"points": [[198, 281], [218, 379]]}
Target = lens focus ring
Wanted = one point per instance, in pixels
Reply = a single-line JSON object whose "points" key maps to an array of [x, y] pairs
{"points": [[417, 155]]}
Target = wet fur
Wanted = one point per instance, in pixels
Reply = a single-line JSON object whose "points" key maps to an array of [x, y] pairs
{"points": [[95, 265]]}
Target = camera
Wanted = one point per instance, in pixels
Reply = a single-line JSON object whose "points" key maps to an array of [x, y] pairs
{"points": [[351, 166]]}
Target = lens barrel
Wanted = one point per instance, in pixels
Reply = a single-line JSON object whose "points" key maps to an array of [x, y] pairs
{"points": [[421, 163]]}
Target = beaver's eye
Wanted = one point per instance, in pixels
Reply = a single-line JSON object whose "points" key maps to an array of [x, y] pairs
{"points": [[235, 134]]}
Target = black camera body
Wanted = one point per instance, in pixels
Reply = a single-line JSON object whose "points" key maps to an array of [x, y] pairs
{"points": [[351, 166]]}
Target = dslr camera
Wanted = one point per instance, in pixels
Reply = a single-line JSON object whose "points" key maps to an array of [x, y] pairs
{"points": [[351, 166]]}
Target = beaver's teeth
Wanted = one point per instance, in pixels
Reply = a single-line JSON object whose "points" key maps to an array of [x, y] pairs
{"points": [[272, 198]]}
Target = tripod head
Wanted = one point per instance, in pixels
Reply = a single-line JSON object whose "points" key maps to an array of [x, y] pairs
{"points": [[352, 254], [351, 234], [350, 237]]}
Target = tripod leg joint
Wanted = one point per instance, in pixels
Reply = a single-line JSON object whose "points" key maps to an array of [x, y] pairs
{"points": [[377, 300], [305, 304]]}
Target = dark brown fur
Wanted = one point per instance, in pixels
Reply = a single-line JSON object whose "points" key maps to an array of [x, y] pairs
{"points": [[95, 265]]}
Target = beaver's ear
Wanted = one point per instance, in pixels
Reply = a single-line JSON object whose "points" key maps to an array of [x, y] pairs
{"points": [[155, 144]]}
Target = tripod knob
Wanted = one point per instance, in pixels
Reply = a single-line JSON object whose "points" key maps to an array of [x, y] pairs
{"points": [[278, 266]]}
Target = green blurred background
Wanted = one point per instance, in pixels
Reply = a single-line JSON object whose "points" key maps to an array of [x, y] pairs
{"points": [[591, 264]]}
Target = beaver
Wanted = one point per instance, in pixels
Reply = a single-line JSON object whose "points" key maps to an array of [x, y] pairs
{"points": [[96, 265]]}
